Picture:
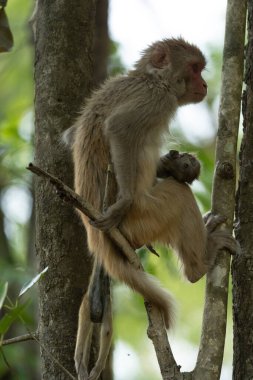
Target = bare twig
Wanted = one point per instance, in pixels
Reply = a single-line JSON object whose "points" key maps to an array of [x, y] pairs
{"points": [[36, 338], [152, 250], [109, 188], [68, 195], [5, 359], [18, 339], [168, 366]]}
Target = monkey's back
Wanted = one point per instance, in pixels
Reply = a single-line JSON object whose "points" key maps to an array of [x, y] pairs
{"points": [[91, 148]]}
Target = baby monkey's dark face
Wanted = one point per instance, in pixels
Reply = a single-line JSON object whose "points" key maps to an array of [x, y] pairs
{"points": [[184, 167]]}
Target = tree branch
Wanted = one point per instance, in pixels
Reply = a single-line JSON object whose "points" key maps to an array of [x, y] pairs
{"points": [[35, 336], [156, 330], [68, 195], [18, 339]]}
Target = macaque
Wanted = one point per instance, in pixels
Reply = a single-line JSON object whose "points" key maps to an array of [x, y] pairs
{"points": [[123, 123], [182, 166]]}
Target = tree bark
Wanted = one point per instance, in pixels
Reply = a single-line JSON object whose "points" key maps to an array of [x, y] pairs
{"points": [[101, 43], [210, 356], [63, 73], [242, 268]]}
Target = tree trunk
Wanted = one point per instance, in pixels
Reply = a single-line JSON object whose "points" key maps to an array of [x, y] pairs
{"points": [[210, 356], [242, 268], [101, 43], [63, 73]]}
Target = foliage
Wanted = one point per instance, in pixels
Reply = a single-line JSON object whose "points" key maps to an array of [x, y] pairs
{"points": [[16, 98], [115, 65], [14, 312]]}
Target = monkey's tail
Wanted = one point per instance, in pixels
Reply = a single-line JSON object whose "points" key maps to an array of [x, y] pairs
{"points": [[151, 290], [119, 268]]}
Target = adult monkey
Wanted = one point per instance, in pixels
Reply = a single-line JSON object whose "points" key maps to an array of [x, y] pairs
{"points": [[123, 123]]}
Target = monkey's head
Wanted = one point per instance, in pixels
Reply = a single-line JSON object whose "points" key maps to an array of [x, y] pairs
{"points": [[180, 63]]}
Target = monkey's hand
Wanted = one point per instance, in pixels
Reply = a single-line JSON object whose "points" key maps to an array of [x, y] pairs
{"points": [[184, 167], [113, 216], [218, 239]]}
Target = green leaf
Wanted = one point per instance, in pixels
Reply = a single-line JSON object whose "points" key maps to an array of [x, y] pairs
{"points": [[32, 282], [3, 293], [6, 38], [10, 317]]}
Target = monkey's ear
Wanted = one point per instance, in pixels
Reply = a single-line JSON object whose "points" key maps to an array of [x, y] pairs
{"points": [[159, 57]]}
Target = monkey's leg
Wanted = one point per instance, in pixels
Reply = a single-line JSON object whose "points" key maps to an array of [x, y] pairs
{"points": [[100, 295], [98, 288], [169, 214], [218, 239], [84, 333], [95, 307], [105, 339], [91, 310]]}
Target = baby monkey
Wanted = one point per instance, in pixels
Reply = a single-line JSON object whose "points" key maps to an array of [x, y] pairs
{"points": [[182, 166], [123, 123]]}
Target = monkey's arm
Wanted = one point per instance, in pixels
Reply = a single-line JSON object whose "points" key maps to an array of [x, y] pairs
{"points": [[184, 167], [216, 239], [123, 133]]}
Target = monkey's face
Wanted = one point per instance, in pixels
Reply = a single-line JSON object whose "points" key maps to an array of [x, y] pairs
{"points": [[195, 85], [185, 63]]}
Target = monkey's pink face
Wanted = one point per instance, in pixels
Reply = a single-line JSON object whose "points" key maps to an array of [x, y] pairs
{"points": [[196, 87]]}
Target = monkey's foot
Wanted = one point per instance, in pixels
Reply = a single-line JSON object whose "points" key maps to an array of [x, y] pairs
{"points": [[113, 216], [95, 372], [212, 221], [81, 370], [224, 240], [82, 373], [219, 239]]}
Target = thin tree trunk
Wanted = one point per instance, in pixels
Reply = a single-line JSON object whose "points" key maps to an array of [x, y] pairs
{"points": [[210, 356], [242, 268], [63, 72]]}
